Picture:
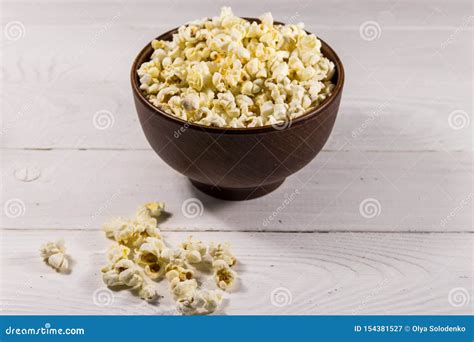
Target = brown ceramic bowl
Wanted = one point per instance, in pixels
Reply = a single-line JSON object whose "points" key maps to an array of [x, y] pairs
{"points": [[237, 163]]}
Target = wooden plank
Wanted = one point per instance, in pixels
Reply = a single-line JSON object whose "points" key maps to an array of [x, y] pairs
{"points": [[410, 191], [341, 14], [335, 273], [396, 97]]}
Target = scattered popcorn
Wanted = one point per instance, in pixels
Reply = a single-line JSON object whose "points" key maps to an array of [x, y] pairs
{"points": [[123, 273], [221, 251], [224, 276], [148, 292], [201, 75], [117, 252], [151, 255], [180, 272], [151, 209], [139, 257], [126, 273], [193, 250], [132, 232], [183, 289], [222, 261], [54, 254], [201, 302]]}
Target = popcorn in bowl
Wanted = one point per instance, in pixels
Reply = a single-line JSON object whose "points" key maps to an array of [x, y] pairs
{"points": [[230, 72]]}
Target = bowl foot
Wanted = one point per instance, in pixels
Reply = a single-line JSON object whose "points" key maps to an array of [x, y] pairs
{"points": [[236, 194]]}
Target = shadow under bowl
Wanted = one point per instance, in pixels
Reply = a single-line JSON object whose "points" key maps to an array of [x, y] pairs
{"points": [[237, 163]]}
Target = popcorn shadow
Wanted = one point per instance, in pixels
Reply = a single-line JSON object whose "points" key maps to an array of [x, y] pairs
{"points": [[123, 288], [164, 216], [239, 286], [71, 263], [204, 268], [221, 311]]}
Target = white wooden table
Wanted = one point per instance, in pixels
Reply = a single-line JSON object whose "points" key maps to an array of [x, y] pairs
{"points": [[402, 143]]}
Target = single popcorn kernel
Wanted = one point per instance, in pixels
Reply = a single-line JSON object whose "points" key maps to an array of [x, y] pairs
{"points": [[221, 251], [54, 254], [223, 275], [222, 261], [151, 210], [202, 302], [151, 256], [199, 75], [194, 251]]}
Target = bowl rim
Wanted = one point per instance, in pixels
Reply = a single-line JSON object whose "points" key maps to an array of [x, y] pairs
{"points": [[245, 130]]}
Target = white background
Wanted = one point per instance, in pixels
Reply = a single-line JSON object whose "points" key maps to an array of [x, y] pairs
{"points": [[403, 139]]}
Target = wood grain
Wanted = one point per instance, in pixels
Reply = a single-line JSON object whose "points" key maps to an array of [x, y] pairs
{"points": [[400, 15], [335, 273], [423, 191], [392, 142]]}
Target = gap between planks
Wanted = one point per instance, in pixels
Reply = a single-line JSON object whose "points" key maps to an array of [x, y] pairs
{"points": [[198, 230], [41, 149]]}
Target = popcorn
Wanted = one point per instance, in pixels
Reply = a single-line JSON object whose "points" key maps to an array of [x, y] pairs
{"points": [[117, 252], [139, 256], [126, 273], [223, 275], [194, 251], [183, 289], [134, 232], [152, 256], [201, 302], [148, 292], [221, 251], [151, 209], [200, 74], [191, 102], [222, 261], [54, 255], [123, 273]]}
